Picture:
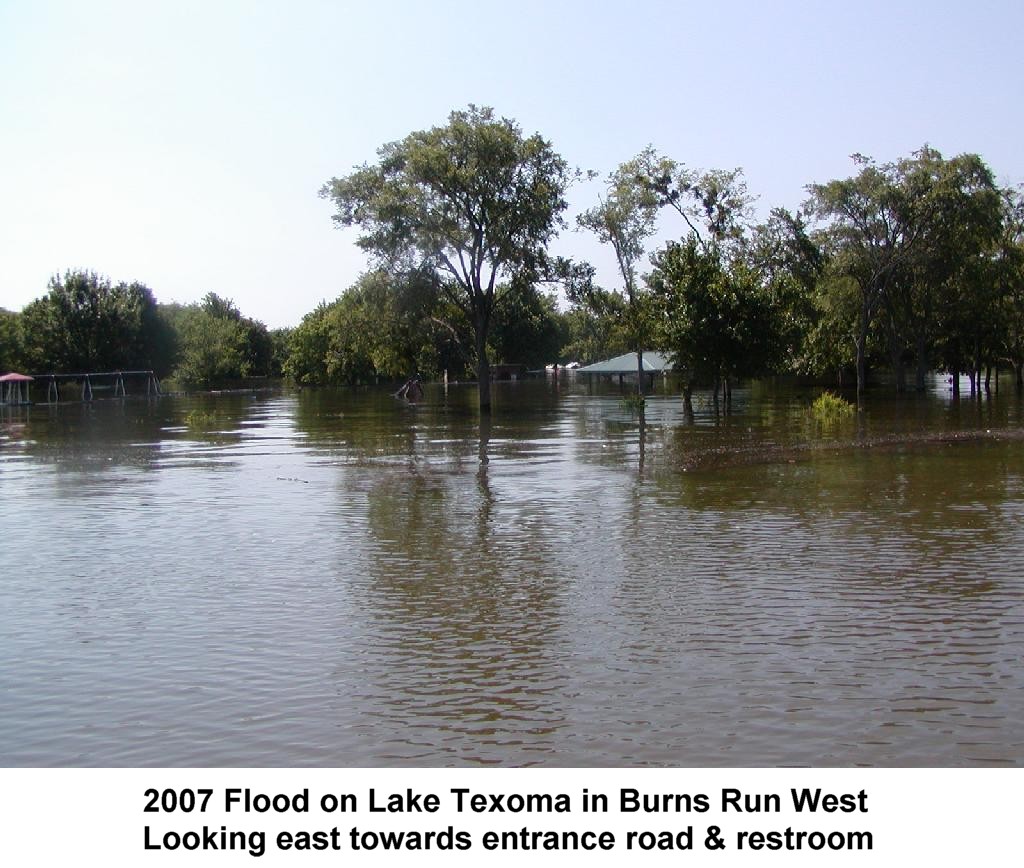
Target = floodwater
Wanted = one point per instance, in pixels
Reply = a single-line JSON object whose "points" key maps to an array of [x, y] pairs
{"points": [[334, 578]]}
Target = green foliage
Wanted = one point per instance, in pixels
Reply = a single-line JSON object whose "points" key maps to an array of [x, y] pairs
{"points": [[915, 237], [790, 266], [714, 205], [308, 346], [625, 219], [717, 319], [829, 407], [1009, 278], [199, 419], [213, 351], [376, 329], [527, 328], [595, 330], [11, 354], [86, 324], [472, 204], [704, 308], [280, 338], [633, 403], [216, 344]]}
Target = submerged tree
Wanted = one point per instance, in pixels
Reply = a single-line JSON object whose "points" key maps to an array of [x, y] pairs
{"points": [[914, 236], [216, 343], [1009, 272], [719, 322], [625, 218], [374, 329], [473, 203], [867, 239], [715, 317]]}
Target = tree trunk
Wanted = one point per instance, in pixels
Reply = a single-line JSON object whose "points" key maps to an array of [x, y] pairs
{"points": [[861, 368], [688, 403], [861, 344], [955, 377], [483, 370], [896, 359], [642, 440], [921, 362], [899, 370], [639, 372]]}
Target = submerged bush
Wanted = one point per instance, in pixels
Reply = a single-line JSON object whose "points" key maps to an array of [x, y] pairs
{"points": [[199, 419], [633, 403], [829, 407]]}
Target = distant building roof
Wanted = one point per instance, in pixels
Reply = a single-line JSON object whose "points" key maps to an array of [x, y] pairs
{"points": [[15, 378], [654, 363]]}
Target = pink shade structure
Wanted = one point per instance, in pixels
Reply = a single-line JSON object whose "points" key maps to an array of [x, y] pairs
{"points": [[10, 388]]}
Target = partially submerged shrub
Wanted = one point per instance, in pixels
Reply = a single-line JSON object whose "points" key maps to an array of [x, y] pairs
{"points": [[199, 419], [830, 407], [633, 403]]}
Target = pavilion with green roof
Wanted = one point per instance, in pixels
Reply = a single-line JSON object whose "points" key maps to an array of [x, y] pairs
{"points": [[625, 365]]}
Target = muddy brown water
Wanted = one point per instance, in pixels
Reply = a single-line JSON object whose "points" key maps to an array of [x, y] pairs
{"points": [[335, 578]]}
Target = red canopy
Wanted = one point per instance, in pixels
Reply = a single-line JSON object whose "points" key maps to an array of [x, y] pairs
{"points": [[16, 378]]}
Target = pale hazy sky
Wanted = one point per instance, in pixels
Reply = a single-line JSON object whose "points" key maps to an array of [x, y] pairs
{"points": [[183, 143]]}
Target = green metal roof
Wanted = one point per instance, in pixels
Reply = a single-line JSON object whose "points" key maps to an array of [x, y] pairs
{"points": [[654, 363]]}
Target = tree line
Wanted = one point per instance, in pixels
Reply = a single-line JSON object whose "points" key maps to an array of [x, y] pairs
{"points": [[911, 266], [85, 324]]}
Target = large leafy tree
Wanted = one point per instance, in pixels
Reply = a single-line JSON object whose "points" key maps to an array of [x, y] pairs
{"points": [[956, 210], [720, 318], [868, 239], [714, 313], [84, 324], [789, 266], [473, 203], [914, 237]]}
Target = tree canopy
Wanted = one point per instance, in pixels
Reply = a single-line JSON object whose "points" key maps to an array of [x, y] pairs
{"points": [[85, 323], [473, 203], [915, 263], [910, 235]]}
